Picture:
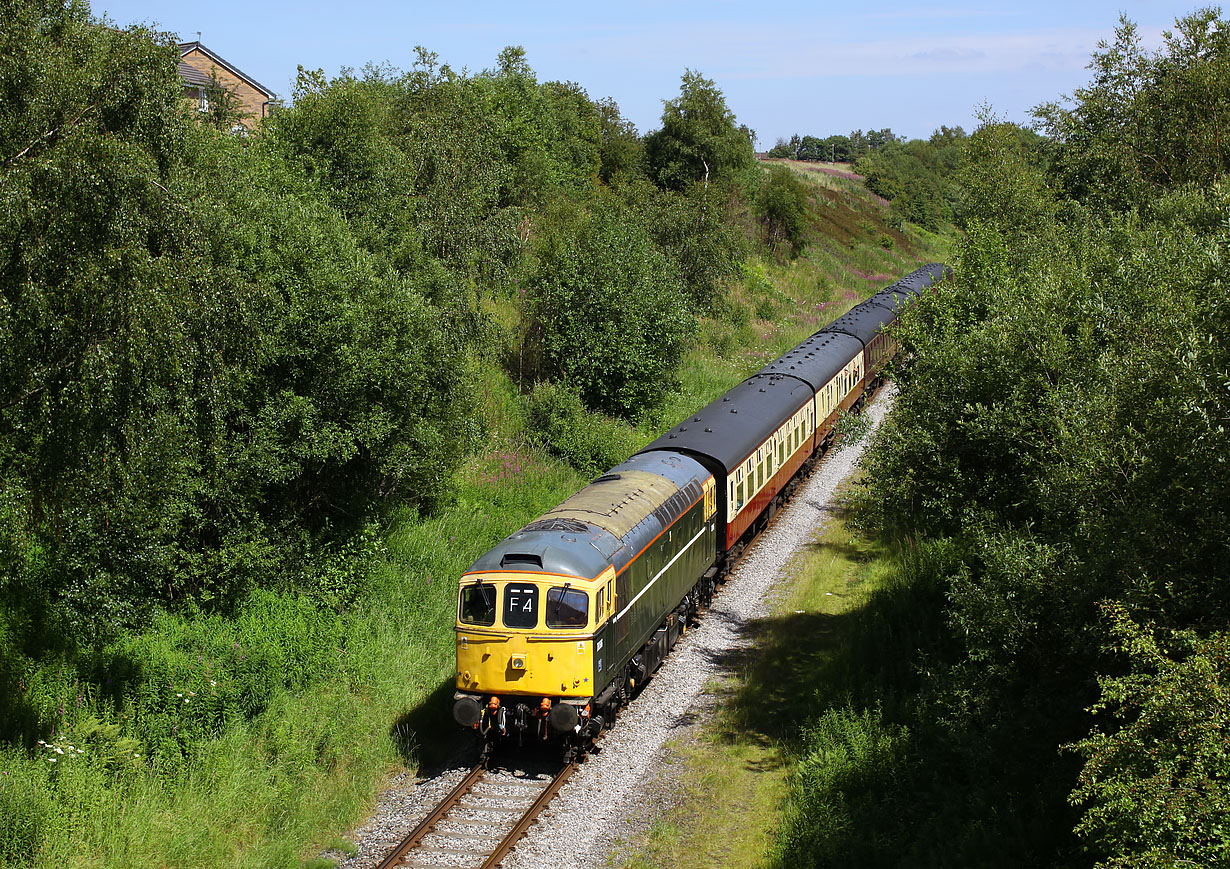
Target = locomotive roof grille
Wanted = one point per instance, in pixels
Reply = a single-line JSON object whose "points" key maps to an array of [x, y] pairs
{"points": [[558, 523]]}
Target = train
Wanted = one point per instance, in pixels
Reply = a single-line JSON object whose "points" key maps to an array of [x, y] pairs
{"points": [[560, 622]]}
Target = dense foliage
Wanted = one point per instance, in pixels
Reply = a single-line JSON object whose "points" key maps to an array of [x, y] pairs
{"points": [[1062, 432], [201, 371], [229, 366], [698, 140], [918, 178], [606, 312]]}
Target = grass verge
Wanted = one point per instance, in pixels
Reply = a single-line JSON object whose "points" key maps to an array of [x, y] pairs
{"points": [[735, 772]]}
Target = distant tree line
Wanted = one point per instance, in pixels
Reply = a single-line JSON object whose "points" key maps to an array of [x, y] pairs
{"points": [[836, 148], [917, 177]]}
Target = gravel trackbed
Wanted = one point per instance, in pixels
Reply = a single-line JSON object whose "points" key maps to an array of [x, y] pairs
{"points": [[601, 804]]}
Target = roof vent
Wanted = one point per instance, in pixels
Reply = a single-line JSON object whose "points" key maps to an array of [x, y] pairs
{"points": [[608, 478], [709, 430], [524, 559]]}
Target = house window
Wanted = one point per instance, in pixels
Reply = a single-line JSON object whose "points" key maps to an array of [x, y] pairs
{"points": [[202, 99]]}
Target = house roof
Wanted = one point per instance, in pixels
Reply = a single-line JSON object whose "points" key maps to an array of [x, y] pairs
{"points": [[189, 74], [186, 48]]}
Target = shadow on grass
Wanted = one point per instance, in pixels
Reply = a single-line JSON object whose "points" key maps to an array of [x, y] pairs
{"points": [[427, 738], [877, 778]]}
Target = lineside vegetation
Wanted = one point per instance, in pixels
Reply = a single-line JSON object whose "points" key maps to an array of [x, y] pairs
{"points": [[1058, 458], [263, 399]]}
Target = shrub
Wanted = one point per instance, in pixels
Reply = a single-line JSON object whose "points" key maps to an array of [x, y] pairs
{"points": [[591, 443], [781, 204], [606, 312]]}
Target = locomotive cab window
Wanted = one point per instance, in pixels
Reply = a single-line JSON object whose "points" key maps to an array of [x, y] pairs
{"points": [[478, 605], [567, 608], [520, 606]]}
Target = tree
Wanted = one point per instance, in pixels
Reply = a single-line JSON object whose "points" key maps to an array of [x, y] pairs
{"points": [[202, 372], [605, 310], [699, 139], [621, 152], [1147, 122], [224, 110], [781, 205]]}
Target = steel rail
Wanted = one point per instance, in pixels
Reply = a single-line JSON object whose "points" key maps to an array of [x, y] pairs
{"points": [[531, 815], [416, 836]]}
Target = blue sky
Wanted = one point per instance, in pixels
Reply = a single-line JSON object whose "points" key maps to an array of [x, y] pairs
{"points": [[815, 68]]}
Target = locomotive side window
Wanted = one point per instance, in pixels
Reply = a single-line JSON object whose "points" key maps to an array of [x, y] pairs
{"points": [[567, 608], [600, 605], [478, 604], [520, 606]]}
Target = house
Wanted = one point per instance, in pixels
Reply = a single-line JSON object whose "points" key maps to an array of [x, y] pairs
{"points": [[196, 63]]}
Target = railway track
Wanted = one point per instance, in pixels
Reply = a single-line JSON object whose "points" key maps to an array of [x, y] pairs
{"points": [[480, 821]]}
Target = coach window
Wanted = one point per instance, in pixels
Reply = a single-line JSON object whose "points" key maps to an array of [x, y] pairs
{"points": [[520, 606], [567, 608], [478, 605]]}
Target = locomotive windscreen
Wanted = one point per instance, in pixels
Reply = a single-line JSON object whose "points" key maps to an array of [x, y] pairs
{"points": [[521, 606]]}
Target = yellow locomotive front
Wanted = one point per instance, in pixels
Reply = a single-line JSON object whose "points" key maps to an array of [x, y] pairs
{"points": [[526, 650]]}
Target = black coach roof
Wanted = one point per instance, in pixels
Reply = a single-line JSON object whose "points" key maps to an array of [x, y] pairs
{"points": [[862, 321], [730, 428], [818, 359], [913, 284]]}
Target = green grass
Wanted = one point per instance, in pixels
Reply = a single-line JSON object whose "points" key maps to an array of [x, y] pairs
{"points": [[299, 709], [735, 774]]}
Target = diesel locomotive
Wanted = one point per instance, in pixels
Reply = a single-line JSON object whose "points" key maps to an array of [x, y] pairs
{"points": [[558, 624]]}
